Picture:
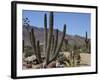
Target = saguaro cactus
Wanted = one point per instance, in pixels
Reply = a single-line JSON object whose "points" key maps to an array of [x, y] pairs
{"points": [[86, 40], [87, 43]]}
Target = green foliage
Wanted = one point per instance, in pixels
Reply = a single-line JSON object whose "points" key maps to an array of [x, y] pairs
{"points": [[28, 51], [83, 49], [61, 57]]}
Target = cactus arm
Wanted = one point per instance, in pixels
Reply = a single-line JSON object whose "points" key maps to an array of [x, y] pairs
{"points": [[23, 45], [38, 52], [86, 40], [45, 33], [59, 47], [55, 44], [36, 48], [49, 37], [30, 36], [86, 35], [52, 47], [33, 40], [56, 41]]}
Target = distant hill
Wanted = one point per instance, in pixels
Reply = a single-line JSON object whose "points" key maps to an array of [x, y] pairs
{"points": [[39, 34]]}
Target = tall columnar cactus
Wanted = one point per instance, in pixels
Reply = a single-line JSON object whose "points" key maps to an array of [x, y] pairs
{"points": [[55, 48], [45, 33], [65, 45], [38, 52], [23, 45], [59, 46], [86, 40], [49, 37], [55, 42], [36, 47], [51, 46]]}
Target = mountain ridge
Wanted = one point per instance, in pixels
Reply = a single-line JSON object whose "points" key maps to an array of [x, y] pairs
{"points": [[39, 34]]}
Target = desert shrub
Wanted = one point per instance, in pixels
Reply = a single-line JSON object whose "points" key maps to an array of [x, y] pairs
{"points": [[83, 49], [28, 51], [61, 57]]}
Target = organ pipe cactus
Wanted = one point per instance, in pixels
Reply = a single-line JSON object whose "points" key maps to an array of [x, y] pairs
{"points": [[36, 47], [74, 58], [45, 33], [49, 37], [23, 45], [51, 46], [38, 52], [59, 46], [56, 47]]}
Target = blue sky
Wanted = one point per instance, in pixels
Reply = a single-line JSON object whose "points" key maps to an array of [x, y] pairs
{"points": [[77, 23]]}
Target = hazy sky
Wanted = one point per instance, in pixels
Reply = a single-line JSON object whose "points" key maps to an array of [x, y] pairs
{"points": [[77, 23]]}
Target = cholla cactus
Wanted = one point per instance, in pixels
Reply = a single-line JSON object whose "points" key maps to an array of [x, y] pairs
{"points": [[74, 58]]}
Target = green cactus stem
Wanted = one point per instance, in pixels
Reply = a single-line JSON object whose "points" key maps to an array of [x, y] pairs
{"points": [[32, 40], [23, 45], [49, 37], [60, 45], [86, 41], [38, 52], [55, 44], [52, 47], [56, 41], [36, 48], [45, 33]]}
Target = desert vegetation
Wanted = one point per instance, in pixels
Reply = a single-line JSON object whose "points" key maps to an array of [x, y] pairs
{"points": [[53, 52]]}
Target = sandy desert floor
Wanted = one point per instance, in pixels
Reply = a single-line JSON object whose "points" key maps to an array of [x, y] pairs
{"points": [[85, 59]]}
